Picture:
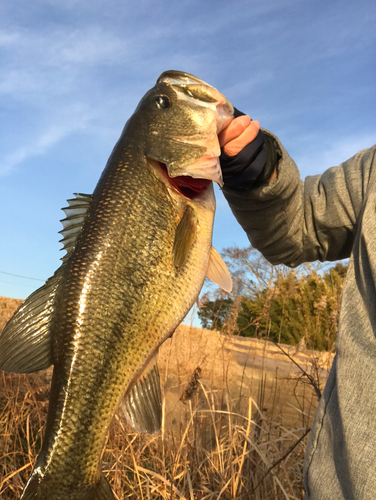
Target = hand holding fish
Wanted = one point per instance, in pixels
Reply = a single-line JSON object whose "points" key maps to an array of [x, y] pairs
{"points": [[240, 132], [248, 157]]}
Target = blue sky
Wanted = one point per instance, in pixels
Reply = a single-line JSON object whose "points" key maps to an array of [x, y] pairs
{"points": [[73, 72]]}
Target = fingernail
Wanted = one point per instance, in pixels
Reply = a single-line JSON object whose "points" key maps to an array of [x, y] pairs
{"points": [[245, 120]]}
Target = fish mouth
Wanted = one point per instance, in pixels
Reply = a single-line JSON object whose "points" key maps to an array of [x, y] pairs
{"points": [[189, 187], [204, 168], [197, 92]]}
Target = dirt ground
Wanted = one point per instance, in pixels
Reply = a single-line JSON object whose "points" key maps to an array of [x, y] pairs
{"points": [[240, 371]]}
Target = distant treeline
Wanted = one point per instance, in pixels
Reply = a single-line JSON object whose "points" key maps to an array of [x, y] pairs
{"points": [[285, 305]]}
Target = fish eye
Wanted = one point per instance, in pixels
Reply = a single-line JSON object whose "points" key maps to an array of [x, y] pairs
{"points": [[162, 102]]}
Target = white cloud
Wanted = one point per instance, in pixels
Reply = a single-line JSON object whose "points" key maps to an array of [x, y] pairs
{"points": [[8, 39], [332, 154], [72, 120], [49, 60], [87, 47], [345, 149]]}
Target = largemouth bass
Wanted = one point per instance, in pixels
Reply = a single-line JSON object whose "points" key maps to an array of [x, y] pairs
{"points": [[138, 250]]}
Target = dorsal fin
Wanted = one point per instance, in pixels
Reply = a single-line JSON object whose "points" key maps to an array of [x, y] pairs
{"points": [[76, 214], [218, 271], [26, 341]]}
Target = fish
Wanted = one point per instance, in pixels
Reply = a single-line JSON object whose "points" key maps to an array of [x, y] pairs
{"points": [[138, 250]]}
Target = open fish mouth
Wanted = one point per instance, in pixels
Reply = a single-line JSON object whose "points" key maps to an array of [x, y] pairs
{"points": [[206, 167], [188, 186]]}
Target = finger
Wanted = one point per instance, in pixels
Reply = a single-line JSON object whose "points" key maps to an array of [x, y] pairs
{"points": [[236, 127], [234, 147]]}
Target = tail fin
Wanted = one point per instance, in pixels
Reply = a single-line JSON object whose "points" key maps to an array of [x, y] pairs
{"points": [[31, 489], [35, 490]]}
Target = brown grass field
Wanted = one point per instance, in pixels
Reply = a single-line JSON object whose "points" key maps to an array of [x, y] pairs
{"points": [[236, 414]]}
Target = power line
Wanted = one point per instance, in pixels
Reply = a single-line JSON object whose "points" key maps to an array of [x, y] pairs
{"points": [[19, 276], [28, 285]]}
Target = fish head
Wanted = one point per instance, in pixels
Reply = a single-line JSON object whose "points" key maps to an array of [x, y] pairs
{"points": [[185, 116]]}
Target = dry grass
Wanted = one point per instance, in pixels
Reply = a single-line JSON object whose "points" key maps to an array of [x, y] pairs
{"points": [[7, 308], [216, 453], [215, 443]]}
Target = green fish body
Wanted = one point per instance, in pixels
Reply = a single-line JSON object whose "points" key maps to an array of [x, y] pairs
{"points": [[138, 251]]}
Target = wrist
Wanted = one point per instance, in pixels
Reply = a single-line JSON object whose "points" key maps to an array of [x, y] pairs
{"points": [[242, 170], [255, 165]]}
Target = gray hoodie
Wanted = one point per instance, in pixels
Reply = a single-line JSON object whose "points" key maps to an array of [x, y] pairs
{"points": [[328, 217]]}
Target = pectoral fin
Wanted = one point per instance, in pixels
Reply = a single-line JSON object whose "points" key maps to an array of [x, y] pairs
{"points": [[26, 341], [142, 406], [185, 236], [218, 271]]}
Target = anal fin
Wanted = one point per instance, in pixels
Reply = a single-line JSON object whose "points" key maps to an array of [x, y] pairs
{"points": [[142, 406], [101, 491]]}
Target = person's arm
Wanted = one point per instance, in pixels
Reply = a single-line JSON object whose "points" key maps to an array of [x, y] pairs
{"points": [[293, 221]]}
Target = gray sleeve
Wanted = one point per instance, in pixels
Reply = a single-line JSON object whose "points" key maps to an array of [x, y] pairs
{"points": [[293, 221]]}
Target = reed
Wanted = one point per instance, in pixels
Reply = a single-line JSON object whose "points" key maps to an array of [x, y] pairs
{"points": [[213, 451]]}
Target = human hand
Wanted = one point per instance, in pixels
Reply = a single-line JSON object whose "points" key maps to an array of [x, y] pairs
{"points": [[243, 157], [238, 134]]}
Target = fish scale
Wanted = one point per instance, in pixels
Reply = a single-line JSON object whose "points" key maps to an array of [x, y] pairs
{"points": [[116, 371], [138, 251]]}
